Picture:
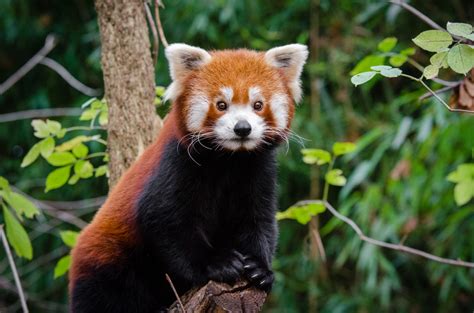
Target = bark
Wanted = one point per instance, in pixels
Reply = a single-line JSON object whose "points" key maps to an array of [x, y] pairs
{"points": [[129, 81], [219, 297]]}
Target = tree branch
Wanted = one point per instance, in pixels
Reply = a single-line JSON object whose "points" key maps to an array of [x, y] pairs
{"points": [[425, 18], [71, 80], [220, 297], [159, 4], [40, 58], [152, 25], [399, 247], [417, 13], [59, 214], [49, 45], [442, 90], [39, 113], [14, 270]]}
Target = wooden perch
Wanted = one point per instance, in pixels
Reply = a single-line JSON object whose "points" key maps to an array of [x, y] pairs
{"points": [[220, 298]]}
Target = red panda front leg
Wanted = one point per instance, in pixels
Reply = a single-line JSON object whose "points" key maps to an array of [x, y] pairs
{"points": [[257, 257]]}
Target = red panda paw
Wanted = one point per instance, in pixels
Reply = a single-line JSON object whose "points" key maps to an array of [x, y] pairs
{"points": [[258, 274], [228, 269]]}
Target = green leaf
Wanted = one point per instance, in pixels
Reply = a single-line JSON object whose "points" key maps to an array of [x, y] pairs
{"points": [[366, 63], [430, 71], [61, 158], [31, 156], [433, 40], [440, 59], [341, 148], [41, 129], [302, 214], [17, 236], [80, 150], [4, 185], [74, 179], [62, 266], [334, 177], [398, 60], [461, 58], [408, 51], [21, 204], [379, 68], [53, 126], [463, 192], [57, 178], [69, 237], [387, 44], [88, 114], [316, 156], [97, 104], [101, 170], [459, 29], [60, 134], [103, 118], [83, 169], [362, 78], [160, 91], [68, 145], [464, 172], [391, 73], [46, 146]]}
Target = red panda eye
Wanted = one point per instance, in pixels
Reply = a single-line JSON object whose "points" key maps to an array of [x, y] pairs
{"points": [[221, 105], [258, 106]]}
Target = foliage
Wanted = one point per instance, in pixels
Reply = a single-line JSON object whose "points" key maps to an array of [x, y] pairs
{"points": [[71, 156], [69, 238], [22, 208], [458, 56]]}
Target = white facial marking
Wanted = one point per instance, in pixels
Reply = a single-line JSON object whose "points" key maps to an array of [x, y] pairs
{"points": [[255, 94], [279, 106], [227, 93], [224, 128], [198, 108]]}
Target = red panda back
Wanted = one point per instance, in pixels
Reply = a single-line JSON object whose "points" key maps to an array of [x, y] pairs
{"points": [[113, 228]]}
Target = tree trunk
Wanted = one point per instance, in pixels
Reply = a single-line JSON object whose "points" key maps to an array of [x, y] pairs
{"points": [[219, 297], [129, 81]]}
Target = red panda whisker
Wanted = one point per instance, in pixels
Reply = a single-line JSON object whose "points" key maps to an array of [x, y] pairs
{"points": [[189, 153]]}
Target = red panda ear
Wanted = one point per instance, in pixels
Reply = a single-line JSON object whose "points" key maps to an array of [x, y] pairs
{"points": [[183, 58], [290, 59]]}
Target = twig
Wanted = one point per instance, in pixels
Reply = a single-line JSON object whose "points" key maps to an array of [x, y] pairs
{"points": [[175, 292], [39, 113], [158, 4], [152, 25], [71, 80], [417, 13], [49, 44], [425, 18], [399, 247], [61, 215], [14, 271], [75, 205], [442, 90]]}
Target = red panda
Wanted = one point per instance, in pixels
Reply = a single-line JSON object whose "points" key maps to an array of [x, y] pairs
{"points": [[199, 204]]}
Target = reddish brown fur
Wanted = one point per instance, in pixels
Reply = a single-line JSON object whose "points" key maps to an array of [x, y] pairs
{"points": [[113, 228], [240, 70]]}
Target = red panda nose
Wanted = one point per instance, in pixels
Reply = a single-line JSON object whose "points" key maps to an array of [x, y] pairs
{"points": [[242, 128]]}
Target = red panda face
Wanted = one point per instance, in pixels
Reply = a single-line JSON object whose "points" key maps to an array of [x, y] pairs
{"points": [[238, 99]]}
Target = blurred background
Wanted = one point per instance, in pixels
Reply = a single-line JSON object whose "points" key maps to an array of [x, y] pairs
{"points": [[397, 187]]}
